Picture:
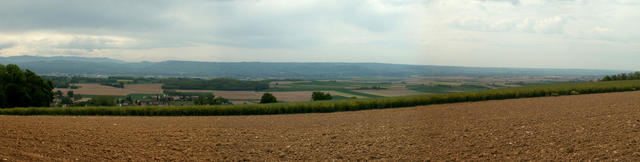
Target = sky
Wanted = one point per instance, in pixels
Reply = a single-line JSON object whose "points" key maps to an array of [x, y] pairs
{"points": [[591, 34]]}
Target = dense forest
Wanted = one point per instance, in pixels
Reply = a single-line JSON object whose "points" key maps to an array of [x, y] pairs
{"points": [[23, 88], [214, 84]]}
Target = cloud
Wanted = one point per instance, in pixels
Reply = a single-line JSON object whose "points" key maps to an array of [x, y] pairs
{"points": [[442, 32], [551, 25], [509, 1], [251, 24], [81, 14], [42, 42]]}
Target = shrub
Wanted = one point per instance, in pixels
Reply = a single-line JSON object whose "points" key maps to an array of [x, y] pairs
{"points": [[268, 98], [102, 101], [318, 96], [574, 93]]}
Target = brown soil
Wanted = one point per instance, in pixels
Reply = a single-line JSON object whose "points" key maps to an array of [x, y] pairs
{"points": [[576, 128]]}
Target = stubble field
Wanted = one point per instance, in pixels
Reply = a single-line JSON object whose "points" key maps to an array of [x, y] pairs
{"points": [[97, 89], [581, 127]]}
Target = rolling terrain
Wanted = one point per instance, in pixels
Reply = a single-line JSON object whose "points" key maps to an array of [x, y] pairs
{"points": [[109, 67], [566, 128]]}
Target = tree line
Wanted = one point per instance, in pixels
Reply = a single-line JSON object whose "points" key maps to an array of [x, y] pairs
{"points": [[23, 88], [214, 84], [622, 76]]}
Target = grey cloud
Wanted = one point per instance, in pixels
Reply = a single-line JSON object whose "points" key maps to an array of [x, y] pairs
{"points": [[297, 29], [6, 45], [345, 28], [225, 22], [80, 14]]}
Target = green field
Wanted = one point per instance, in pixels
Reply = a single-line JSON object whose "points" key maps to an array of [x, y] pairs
{"points": [[326, 86], [441, 89], [358, 93], [341, 105]]}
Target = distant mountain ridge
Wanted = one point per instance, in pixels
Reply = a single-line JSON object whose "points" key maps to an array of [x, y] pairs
{"points": [[111, 67], [18, 59]]}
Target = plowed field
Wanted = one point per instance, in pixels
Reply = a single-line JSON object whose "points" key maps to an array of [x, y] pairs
{"points": [[582, 127]]}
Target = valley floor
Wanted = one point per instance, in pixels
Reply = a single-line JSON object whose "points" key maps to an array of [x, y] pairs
{"points": [[581, 127]]}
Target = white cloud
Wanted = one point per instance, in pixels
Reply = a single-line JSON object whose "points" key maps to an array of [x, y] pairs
{"points": [[551, 25], [599, 29], [54, 43]]}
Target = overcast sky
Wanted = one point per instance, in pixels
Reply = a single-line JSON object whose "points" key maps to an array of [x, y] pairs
{"points": [[594, 34]]}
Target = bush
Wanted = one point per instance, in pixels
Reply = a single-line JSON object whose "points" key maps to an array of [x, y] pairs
{"points": [[574, 93], [102, 101], [66, 100], [268, 98], [210, 100], [318, 96]]}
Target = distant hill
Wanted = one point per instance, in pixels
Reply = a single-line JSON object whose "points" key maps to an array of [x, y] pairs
{"points": [[21, 59], [111, 67]]}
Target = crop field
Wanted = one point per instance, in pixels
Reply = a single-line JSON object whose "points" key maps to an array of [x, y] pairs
{"points": [[443, 88], [567, 128], [324, 85], [347, 94], [245, 102], [391, 92], [284, 96], [285, 91], [454, 84], [342, 105], [294, 96], [97, 89], [90, 89]]}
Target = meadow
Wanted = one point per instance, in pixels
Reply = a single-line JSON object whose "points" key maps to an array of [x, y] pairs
{"points": [[341, 105]]}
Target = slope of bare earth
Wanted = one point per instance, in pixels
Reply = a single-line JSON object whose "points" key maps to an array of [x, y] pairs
{"points": [[583, 127]]}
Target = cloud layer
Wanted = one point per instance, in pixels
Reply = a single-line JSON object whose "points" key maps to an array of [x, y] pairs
{"points": [[523, 33]]}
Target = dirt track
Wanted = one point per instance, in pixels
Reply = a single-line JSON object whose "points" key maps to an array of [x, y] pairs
{"points": [[596, 127]]}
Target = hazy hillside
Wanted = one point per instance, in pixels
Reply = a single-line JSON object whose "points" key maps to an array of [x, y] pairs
{"points": [[105, 66]]}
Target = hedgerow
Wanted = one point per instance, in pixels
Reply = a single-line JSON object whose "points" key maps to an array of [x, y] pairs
{"points": [[341, 105]]}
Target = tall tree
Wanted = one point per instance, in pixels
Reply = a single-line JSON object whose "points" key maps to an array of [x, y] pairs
{"points": [[70, 94], [20, 88]]}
